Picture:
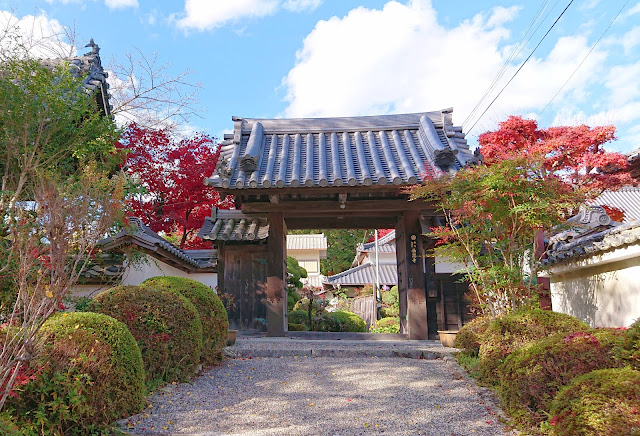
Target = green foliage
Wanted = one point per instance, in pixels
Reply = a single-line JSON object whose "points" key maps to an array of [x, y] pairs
{"points": [[387, 325], [212, 313], [294, 327], [629, 350], [603, 402], [532, 375], [303, 305], [7, 428], [390, 297], [341, 321], [90, 374], [469, 337], [299, 317], [507, 333], [293, 296], [297, 272], [493, 214], [165, 324], [341, 246]]}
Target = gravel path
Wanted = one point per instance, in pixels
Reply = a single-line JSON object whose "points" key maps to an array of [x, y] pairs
{"points": [[304, 395]]}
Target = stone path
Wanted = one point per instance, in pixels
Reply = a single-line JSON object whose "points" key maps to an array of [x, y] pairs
{"points": [[281, 386]]}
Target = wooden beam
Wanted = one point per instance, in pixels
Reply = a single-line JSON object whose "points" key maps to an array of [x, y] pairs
{"points": [[329, 190], [417, 326], [276, 300], [307, 206], [297, 223]]}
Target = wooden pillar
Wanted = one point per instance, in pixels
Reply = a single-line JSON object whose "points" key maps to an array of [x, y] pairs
{"points": [[276, 300], [411, 280]]}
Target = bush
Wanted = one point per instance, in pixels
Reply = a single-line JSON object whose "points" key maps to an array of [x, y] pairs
{"points": [[165, 324], [469, 337], [602, 402], [299, 317], [506, 334], [293, 296], [629, 350], [7, 428], [213, 315], [303, 305], [90, 374], [294, 327], [390, 297], [387, 325], [341, 321], [532, 375]]}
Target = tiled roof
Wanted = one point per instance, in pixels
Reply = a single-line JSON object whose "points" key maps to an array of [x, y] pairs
{"points": [[87, 67], [626, 199], [234, 225], [307, 242], [354, 151], [365, 274], [157, 246], [594, 242], [386, 244]]}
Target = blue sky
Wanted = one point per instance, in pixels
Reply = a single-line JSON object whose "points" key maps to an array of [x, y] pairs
{"points": [[301, 58]]}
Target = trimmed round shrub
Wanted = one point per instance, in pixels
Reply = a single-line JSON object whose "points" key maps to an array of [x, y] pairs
{"points": [[507, 333], [532, 375], [387, 325], [299, 317], [91, 364], [293, 327], [629, 350], [165, 324], [469, 337], [303, 305], [603, 402], [341, 321], [213, 315], [390, 297]]}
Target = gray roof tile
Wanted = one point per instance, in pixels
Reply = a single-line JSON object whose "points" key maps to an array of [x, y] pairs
{"points": [[626, 199], [307, 242], [234, 225], [365, 274], [356, 151]]}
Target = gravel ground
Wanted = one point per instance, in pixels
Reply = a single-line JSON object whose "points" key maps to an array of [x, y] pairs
{"points": [[303, 395]]}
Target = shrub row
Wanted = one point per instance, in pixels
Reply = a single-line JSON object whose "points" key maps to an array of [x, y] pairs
{"points": [[338, 321], [541, 365], [94, 365]]}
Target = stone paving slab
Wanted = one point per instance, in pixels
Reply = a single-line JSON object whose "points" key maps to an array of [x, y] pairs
{"points": [[342, 348]]}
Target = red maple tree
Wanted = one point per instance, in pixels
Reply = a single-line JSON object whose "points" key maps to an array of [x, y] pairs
{"points": [[173, 198], [575, 154]]}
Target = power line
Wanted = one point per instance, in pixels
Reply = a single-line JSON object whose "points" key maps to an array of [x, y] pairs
{"points": [[514, 53], [584, 59], [522, 65]]}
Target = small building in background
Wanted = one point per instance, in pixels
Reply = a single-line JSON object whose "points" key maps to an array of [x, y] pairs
{"points": [[308, 250], [594, 268]]}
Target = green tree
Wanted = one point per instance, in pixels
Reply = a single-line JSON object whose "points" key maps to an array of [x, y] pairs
{"points": [[59, 193], [492, 216]]}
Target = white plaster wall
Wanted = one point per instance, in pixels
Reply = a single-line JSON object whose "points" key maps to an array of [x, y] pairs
{"points": [[89, 291], [445, 266], [136, 274], [602, 295]]}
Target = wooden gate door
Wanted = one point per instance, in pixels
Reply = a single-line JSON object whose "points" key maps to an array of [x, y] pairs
{"points": [[453, 305], [245, 275]]}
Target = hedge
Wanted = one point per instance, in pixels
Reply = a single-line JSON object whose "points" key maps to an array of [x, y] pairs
{"points": [[469, 338], [341, 321], [165, 324], [213, 315], [89, 374], [506, 334], [532, 375], [387, 325], [603, 402]]}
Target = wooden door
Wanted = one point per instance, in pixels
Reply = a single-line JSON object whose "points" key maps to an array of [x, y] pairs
{"points": [[453, 306], [245, 272]]}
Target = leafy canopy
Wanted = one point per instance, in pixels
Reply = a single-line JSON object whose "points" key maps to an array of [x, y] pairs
{"points": [[173, 197]]}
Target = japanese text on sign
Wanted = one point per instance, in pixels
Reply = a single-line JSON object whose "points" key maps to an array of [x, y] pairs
{"points": [[413, 245]]}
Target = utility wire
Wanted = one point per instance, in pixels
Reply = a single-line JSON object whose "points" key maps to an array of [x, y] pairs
{"points": [[522, 65], [584, 59], [514, 53]]}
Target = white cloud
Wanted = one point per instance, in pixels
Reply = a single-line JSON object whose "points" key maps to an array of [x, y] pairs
{"points": [[120, 4], [301, 5], [205, 14], [208, 14], [401, 59], [36, 35]]}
